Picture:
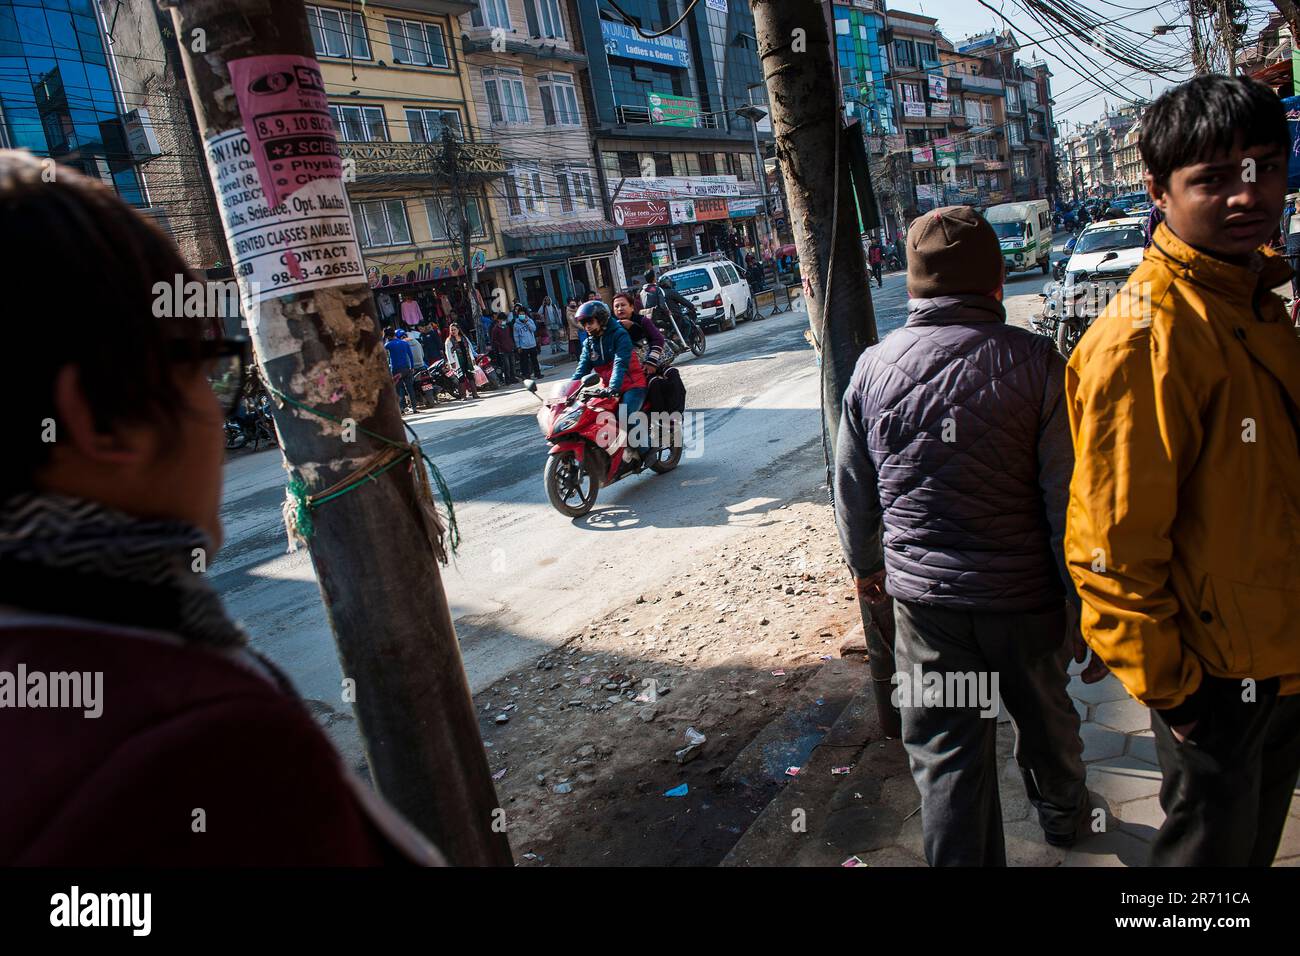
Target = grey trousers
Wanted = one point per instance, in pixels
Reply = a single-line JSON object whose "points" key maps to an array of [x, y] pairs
{"points": [[953, 749]]}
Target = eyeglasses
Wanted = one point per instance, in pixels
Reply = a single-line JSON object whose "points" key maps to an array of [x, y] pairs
{"points": [[230, 360]]}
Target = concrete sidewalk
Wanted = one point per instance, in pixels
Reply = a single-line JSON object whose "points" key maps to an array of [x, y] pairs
{"points": [[872, 812]]}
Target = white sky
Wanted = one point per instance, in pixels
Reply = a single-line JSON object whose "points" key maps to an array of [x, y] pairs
{"points": [[1079, 98]]}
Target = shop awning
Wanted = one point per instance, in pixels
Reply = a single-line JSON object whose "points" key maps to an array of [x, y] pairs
{"points": [[505, 263], [553, 236]]}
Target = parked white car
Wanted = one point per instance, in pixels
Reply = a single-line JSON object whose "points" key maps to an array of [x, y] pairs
{"points": [[1104, 256], [716, 288]]}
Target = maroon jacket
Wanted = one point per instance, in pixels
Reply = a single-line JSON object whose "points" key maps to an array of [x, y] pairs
{"points": [[503, 337], [181, 729]]}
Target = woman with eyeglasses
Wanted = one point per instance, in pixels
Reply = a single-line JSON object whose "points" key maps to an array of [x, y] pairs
{"points": [[168, 740]]}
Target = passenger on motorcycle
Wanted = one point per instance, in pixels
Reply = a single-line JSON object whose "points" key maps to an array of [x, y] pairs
{"points": [[608, 352], [627, 309]]}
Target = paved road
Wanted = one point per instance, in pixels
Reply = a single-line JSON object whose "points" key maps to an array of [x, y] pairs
{"points": [[526, 577]]}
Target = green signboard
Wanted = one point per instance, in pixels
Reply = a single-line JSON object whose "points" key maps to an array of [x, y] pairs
{"points": [[669, 110]]}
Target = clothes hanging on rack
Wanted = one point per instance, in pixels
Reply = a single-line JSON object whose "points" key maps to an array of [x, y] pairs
{"points": [[411, 314]]}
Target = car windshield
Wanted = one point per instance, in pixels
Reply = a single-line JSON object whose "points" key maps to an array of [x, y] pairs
{"points": [[1103, 240], [692, 280], [1010, 230]]}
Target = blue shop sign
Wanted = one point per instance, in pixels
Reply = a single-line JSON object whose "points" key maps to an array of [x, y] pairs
{"points": [[623, 41]]}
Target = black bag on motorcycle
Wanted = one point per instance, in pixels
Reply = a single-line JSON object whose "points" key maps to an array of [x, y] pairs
{"points": [[666, 392]]}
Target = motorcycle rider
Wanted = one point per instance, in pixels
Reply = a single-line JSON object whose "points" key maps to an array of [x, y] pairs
{"points": [[608, 352], [627, 309], [662, 295]]}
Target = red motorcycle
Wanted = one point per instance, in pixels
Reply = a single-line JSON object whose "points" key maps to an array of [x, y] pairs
{"points": [[587, 448]]}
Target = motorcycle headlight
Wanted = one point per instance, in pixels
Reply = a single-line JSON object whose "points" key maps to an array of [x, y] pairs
{"points": [[569, 419]]}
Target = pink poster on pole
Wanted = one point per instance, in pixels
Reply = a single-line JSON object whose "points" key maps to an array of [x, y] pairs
{"points": [[286, 116]]}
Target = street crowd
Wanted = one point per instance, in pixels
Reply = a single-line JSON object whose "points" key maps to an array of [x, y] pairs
{"points": [[1141, 501]]}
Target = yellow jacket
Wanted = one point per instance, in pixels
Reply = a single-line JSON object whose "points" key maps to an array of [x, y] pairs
{"points": [[1183, 527]]}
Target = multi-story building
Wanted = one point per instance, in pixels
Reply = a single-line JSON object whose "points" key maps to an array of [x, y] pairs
{"points": [[674, 130], [400, 97], [923, 109], [526, 60], [982, 164], [59, 97], [162, 133], [862, 62]]}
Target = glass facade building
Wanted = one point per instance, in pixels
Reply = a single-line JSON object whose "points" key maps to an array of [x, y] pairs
{"points": [[57, 95], [863, 66]]}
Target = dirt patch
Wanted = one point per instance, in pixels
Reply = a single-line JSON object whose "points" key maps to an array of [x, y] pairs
{"points": [[588, 742]]}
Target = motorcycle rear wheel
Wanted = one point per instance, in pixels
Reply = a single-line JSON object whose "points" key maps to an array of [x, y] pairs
{"points": [[564, 477], [663, 459]]}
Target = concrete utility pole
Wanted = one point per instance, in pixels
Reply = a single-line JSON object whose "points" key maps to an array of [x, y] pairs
{"points": [[794, 49], [318, 342]]}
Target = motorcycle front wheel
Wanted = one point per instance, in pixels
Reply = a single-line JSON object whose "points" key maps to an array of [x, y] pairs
{"points": [[570, 485]]}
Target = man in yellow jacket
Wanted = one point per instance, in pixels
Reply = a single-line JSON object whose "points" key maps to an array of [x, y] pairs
{"points": [[1183, 527]]}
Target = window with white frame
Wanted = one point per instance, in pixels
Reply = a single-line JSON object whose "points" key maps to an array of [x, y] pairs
{"points": [[441, 211], [417, 44], [1031, 94], [544, 19], [383, 223], [491, 13], [911, 92], [524, 193], [338, 33], [360, 124], [1013, 97], [1015, 133], [986, 111], [559, 99], [575, 188], [972, 110], [507, 101], [426, 126]]}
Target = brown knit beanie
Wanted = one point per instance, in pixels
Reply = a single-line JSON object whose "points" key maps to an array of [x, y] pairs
{"points": [[952, 251]]}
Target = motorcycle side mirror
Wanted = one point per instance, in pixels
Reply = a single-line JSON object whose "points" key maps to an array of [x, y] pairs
{"points": [[530, 385], [591, 380], [1109, 256]]}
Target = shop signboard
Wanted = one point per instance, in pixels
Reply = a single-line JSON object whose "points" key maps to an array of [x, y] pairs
{"points": [[911, 108], [640, 213], [719, 5], [683, 210], [709, 209], [743, 208], [938, 87], [679, 187], [945, 152], [624, 42], [669, 110], [381, 275], [923, 154]]}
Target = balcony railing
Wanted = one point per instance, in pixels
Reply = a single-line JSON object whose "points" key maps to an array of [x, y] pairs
{"points": [[989, 84], [401, 164]]}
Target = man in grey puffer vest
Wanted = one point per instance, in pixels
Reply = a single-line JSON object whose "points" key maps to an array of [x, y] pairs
{"points": [[951, 479]]}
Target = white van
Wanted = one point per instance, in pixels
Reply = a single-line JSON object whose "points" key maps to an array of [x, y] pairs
{"points": [[716, 288], [1025, 233]]}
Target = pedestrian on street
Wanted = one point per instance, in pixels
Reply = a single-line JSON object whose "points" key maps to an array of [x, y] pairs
{"points": [[503, 346], [876, 259], [401, 362], [1184, 527], [575, 332], [549, 315], [104, 538], [461, 358], [900, 250], [417, 349], [525, 331], [954, 445], [485, 332]]}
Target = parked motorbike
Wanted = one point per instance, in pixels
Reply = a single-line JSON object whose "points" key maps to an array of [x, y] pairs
{"points": [[434, 380], [493, 376], [587, 450]]}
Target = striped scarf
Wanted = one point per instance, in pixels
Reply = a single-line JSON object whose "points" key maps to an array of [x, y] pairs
{"points": [[78, 558]]}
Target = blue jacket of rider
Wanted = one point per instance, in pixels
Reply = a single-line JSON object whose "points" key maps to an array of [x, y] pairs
{"points": [[613, 345]]}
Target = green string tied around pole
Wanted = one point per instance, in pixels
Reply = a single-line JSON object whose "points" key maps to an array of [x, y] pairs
{"points": [[300, 503]]}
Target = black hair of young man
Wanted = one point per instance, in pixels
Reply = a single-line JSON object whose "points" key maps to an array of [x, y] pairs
{"points": [[1207, 116]]}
